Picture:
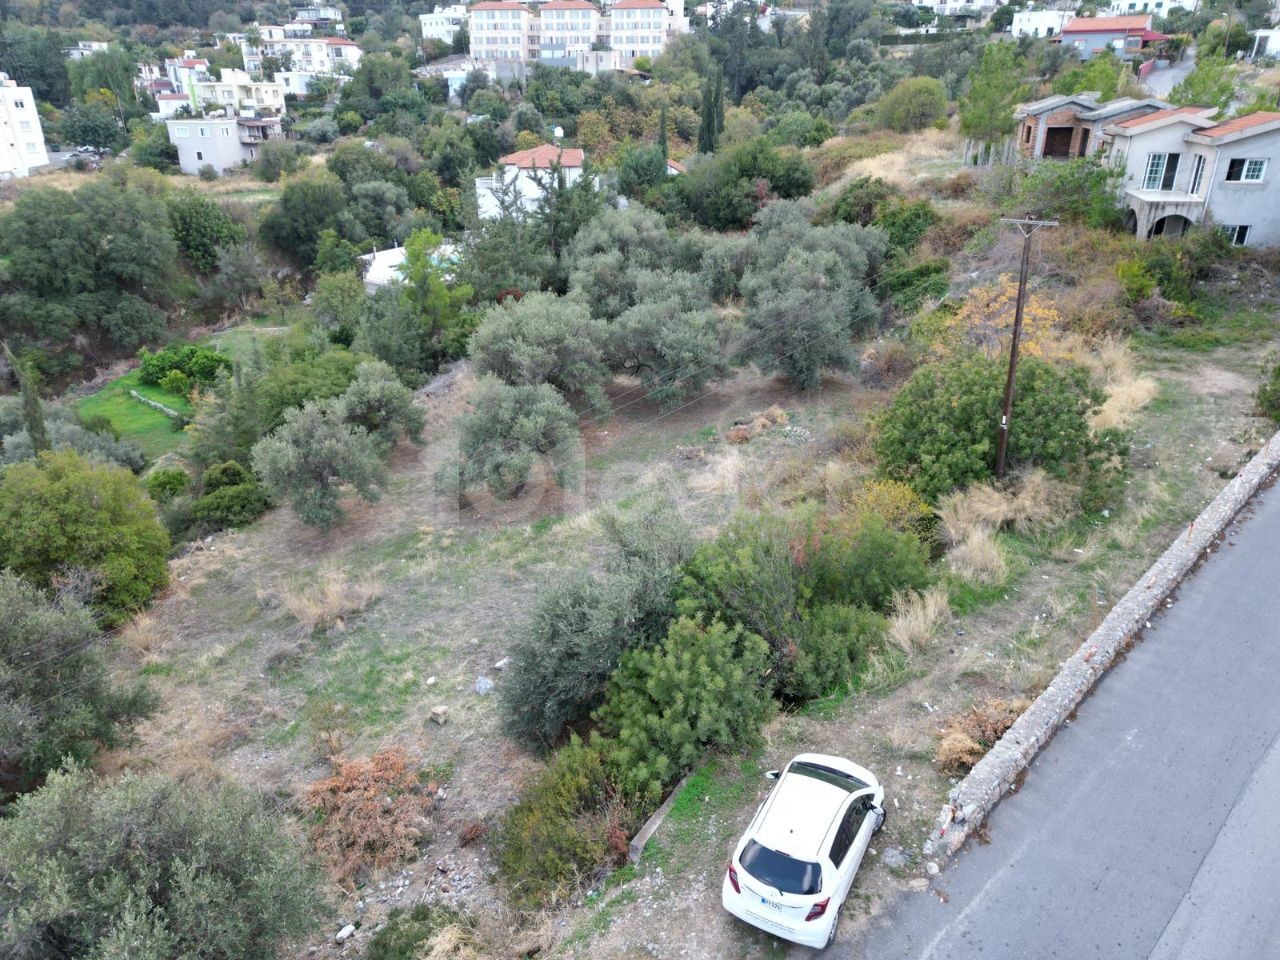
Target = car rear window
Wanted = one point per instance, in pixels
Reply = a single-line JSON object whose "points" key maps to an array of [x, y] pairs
{"points": [[837, 778], [781, 871]]}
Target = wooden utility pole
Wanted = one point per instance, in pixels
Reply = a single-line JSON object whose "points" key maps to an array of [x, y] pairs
{"points": [[1027, 227]]}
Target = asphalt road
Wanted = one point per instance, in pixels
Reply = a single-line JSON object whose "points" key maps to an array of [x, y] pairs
{"points": [[1160, 82], [1149, 829]]}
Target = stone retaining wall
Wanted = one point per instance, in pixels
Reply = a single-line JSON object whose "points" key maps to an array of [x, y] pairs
{"points": [[974, 797]]}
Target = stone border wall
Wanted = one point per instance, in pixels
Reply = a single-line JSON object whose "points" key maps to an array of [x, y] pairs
{"points": [[974, 796]]}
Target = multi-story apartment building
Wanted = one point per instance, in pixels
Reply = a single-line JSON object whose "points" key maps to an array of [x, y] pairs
{"points": [[502, 30], [304, 52], [574, 33], [1182, 168], [232, 90], [85, 48], [566, 28], [21, 138], [443, 24], [221, 142]]}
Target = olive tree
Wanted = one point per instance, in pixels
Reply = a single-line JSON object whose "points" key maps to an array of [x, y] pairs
{"points": [[309, 458], [543, 338], [508, 430]]}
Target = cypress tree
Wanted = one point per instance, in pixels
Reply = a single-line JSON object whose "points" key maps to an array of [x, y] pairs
{"points": [[662, 131], [32, 413], [707, 127], [719, 101]]}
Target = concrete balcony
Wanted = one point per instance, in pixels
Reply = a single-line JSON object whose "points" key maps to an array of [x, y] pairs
{"points": [[1161, 213]]}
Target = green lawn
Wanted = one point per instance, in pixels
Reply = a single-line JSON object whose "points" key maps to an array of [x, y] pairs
{"points": [[149, 429]]}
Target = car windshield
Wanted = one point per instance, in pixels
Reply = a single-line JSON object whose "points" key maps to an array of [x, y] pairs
{"points": [[781, 871], [837, 778]]}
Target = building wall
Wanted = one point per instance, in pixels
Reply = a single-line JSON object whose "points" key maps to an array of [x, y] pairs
{"points": [[313, 55], [566, 32], [1254, 204], [1089, 44], [501, 35], [1040, 23], [523, 184], [201, 140], [443, 25], [638, 33], [22, 146]]}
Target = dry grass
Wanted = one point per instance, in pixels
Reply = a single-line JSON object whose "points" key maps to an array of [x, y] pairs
{"points": [[146, 638], [454, 942], [724, 474], [968, 736], [1035, 501], [978, 558], [1114, 368], [907, 166], [916, 617], [326, 600]]}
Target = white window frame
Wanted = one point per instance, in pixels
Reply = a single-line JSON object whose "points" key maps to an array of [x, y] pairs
{"points": [[1257, 165], [1153, 176], [182, 131], [1197, 175], [1238, 234]]}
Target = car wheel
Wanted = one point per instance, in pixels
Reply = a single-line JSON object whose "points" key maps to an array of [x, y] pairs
{"points": [[883, 815], [835, 925]]}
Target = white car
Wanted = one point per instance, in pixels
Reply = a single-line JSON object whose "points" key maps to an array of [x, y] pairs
{"points": [[793, 868]]}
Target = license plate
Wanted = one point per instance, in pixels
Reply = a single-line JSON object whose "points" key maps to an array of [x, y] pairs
{"points": [[770, 904]]}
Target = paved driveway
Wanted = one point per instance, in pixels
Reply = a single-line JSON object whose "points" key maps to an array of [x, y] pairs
{"points": [[1161, 82], [1149, 829]]}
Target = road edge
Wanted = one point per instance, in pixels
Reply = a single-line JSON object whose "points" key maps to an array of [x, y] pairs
{"points": [[973, 798]]}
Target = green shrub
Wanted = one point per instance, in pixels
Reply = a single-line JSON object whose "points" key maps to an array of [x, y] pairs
{"points": [[748, 576], [176, 382], [913, 104], [146, 867], [166, 483], [704, 688], [862, 562], [905, 222], [58, 699], [226, 474], [580, 627], [1136, 279], [940, 431], [291, 384], [1267, 399], [233, 506], [862, 199], [407, 933], [563, 829], [831, 647], [199, 363], [1079, 191], [61, 513], [910, 285], [208, 172]]}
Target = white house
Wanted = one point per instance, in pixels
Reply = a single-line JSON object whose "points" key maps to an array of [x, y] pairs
{"points": [[319, 15], [520, 177], [1181, 167], [221, 142], [1266, 43], [1040, 23], [185, 70], [304, 53], [168, 104], [443, 24], [85, 48], [21, 138]]}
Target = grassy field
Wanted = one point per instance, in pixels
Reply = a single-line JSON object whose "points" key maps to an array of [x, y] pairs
{"points": [[148, 428]]}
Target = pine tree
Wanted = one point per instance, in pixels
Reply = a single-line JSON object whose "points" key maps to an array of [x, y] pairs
{"points": [[32, 412]]}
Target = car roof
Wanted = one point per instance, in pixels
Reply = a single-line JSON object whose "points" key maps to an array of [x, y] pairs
{"points": [[800, 815]]}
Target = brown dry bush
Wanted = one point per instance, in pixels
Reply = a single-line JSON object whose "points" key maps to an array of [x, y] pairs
{"points": [[916, 616], [371, 814], [326, 600], [978, 558], [950, 234], [1034, 501], [886, 364], [146, 638], [968, 736]]}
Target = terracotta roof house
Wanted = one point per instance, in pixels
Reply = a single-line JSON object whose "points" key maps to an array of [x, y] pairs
{"points": [[517, 185], [1183, 168], [1126, 37]]}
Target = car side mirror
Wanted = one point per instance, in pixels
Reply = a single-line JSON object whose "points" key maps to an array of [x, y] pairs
{"points": [[773, 775]]}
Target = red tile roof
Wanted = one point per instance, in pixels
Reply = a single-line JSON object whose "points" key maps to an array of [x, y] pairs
{"points": [[1143, 120], [340, 42], [1239, 123], [543, 156], [676, 165], [187, 63], [1109, 24], [639, 5]]}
